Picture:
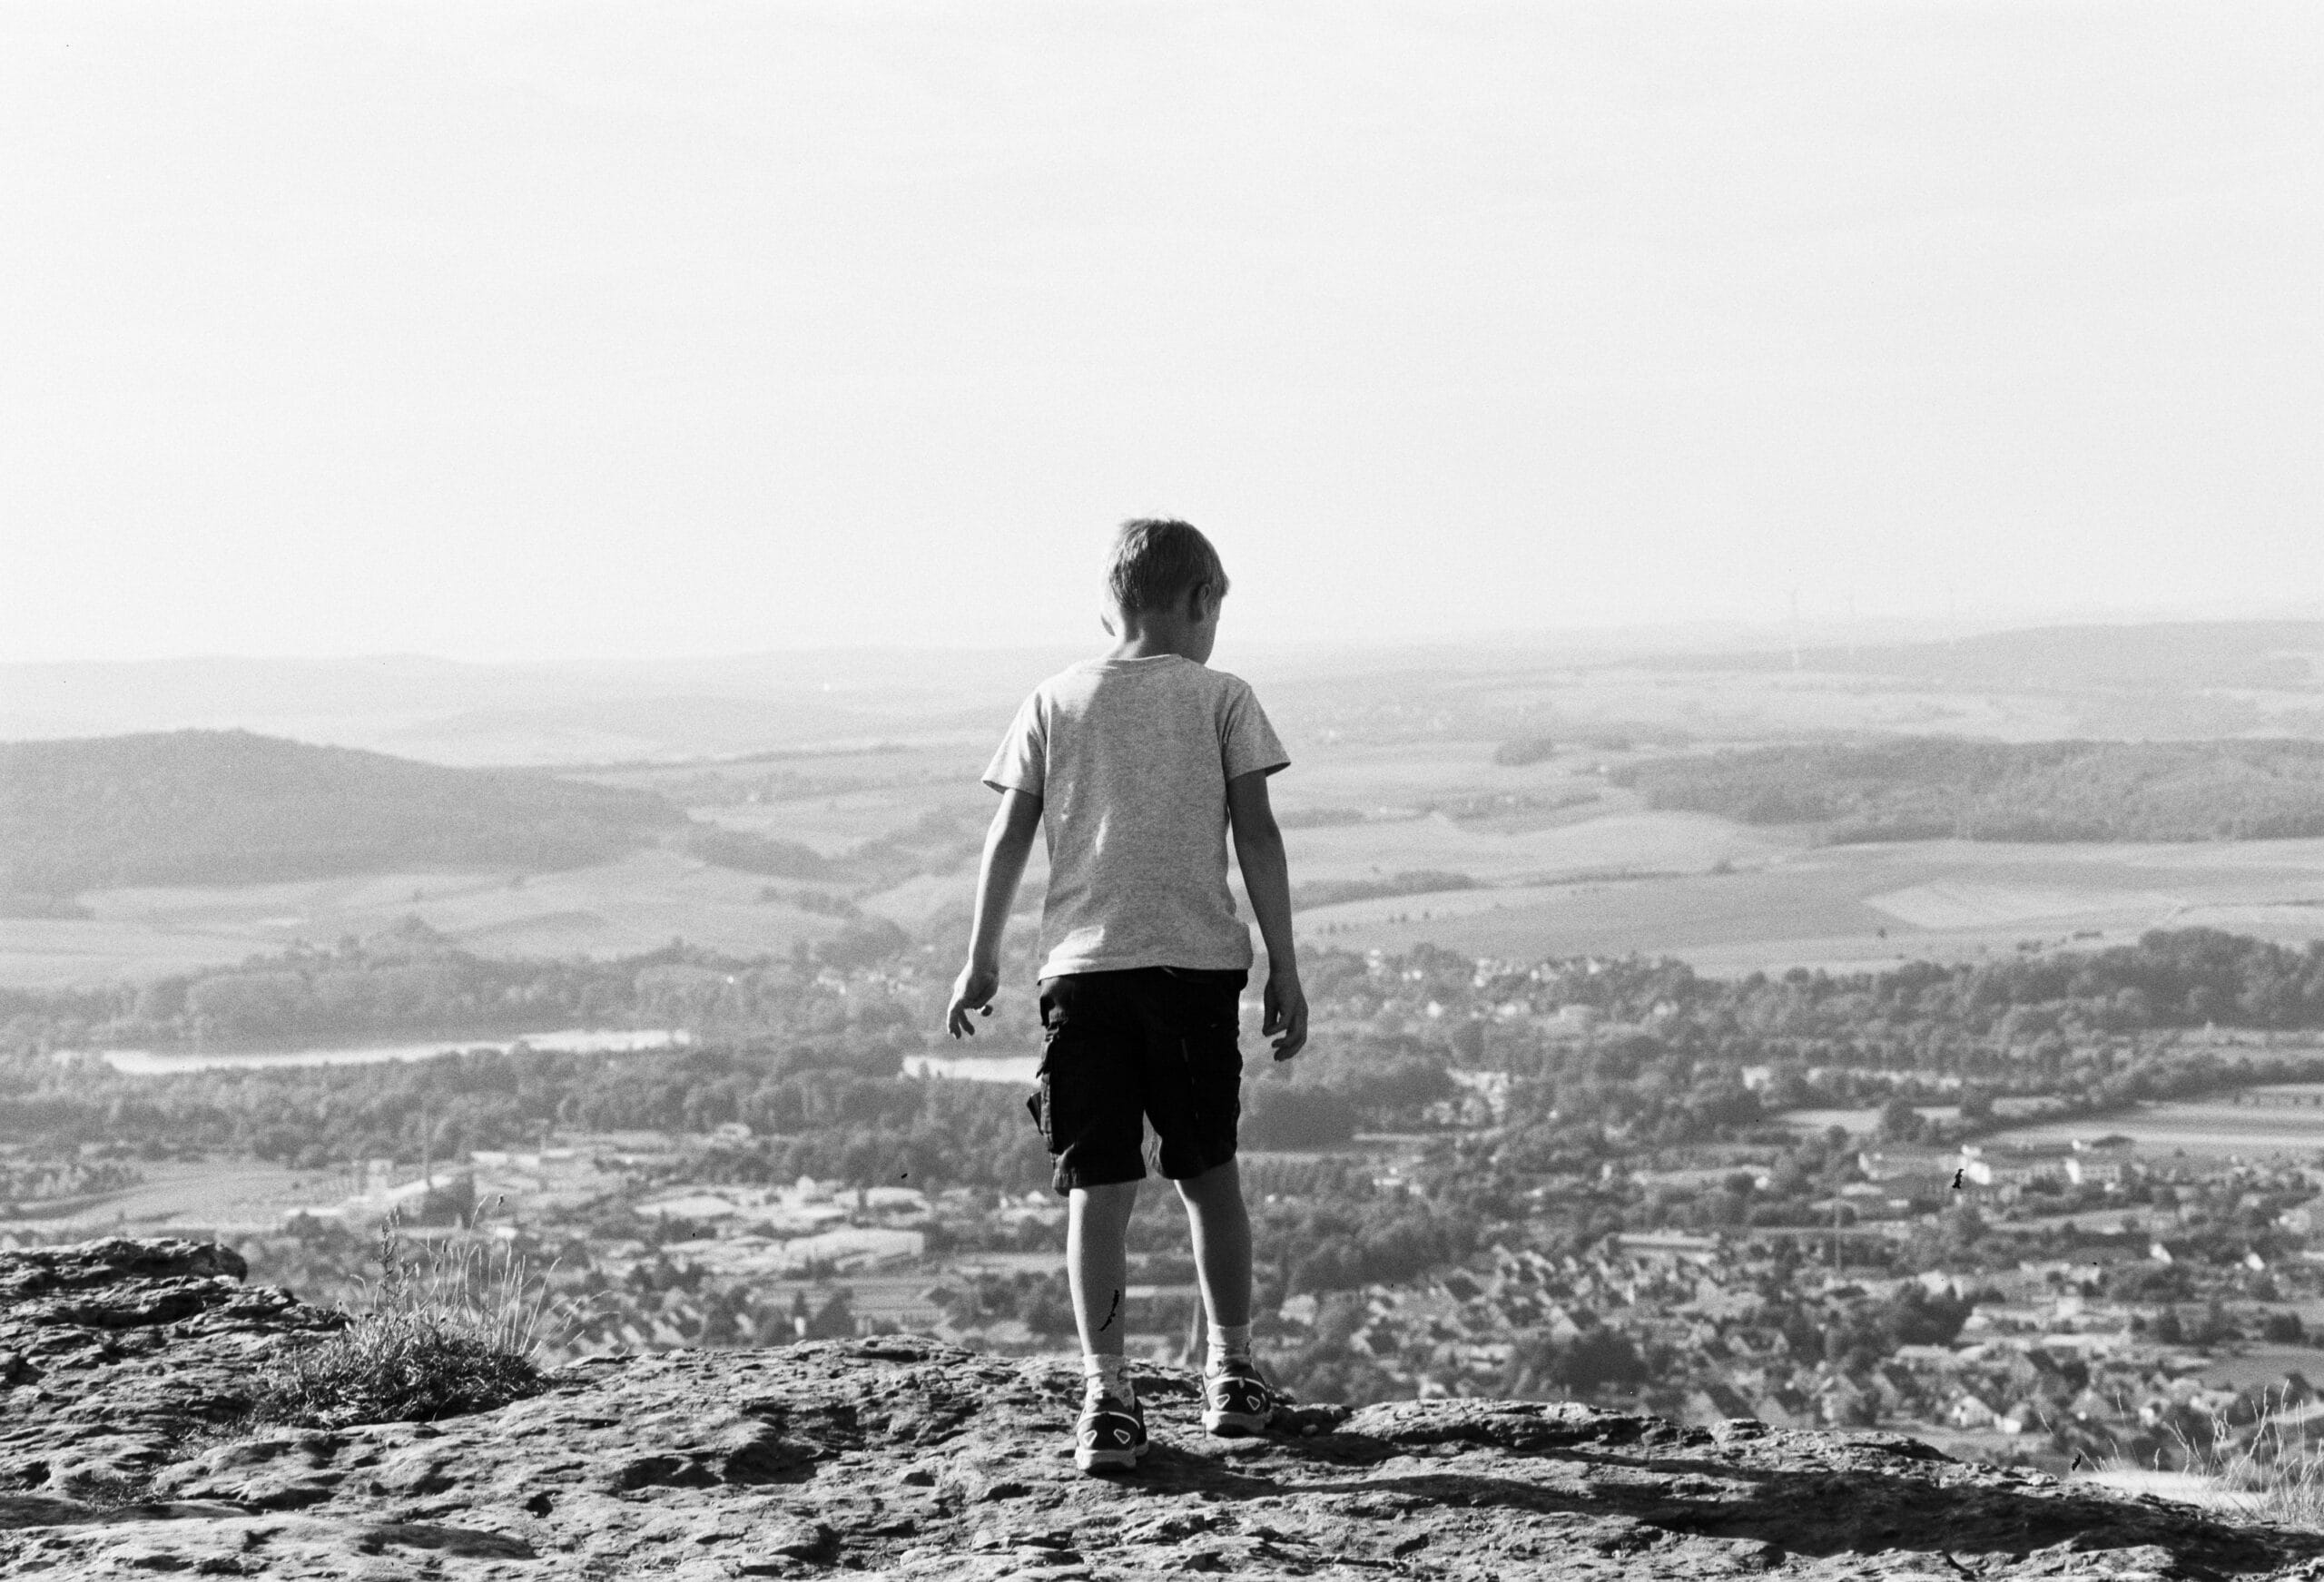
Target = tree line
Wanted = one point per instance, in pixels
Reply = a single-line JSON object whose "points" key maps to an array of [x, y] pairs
{"points": [[811, 1054], [1934, 788]]}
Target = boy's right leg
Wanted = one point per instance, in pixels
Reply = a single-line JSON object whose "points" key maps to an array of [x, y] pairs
{"points": [[1194, 1093], [1110, 1435]]}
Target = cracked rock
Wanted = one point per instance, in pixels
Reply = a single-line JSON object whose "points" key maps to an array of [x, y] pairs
{"points": [[905, 1458]]}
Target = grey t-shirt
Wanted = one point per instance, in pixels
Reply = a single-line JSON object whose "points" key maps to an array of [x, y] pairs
{"points": [[1130, 758]]}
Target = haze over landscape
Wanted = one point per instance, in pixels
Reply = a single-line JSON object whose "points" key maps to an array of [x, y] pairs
{"points": [[1563, 800], [1781, 543]]}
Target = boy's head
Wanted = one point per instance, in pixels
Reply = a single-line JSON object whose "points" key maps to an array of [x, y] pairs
{"points": [[1159, 565]]}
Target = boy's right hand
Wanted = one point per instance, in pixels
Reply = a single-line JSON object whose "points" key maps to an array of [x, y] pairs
{"points": [[971, 991], [1286, 1013]]}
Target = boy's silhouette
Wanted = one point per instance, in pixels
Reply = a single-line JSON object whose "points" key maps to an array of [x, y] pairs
{"points": [[1136, 767]]}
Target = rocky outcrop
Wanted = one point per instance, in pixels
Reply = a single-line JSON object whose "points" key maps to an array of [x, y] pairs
{"points": [[905, 1458]]}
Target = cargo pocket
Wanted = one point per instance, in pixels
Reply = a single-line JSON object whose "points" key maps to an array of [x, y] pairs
{"points": [[1041, 1104]]}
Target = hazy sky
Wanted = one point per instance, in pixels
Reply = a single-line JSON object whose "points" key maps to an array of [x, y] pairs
{"points": [[492, 329]]}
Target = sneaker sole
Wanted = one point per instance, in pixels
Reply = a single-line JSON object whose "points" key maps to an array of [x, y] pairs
{"points": [[1110, 1460], [1232, 1425]]}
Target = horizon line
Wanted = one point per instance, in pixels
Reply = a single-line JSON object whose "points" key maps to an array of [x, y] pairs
{"points": [[1775, 632]]}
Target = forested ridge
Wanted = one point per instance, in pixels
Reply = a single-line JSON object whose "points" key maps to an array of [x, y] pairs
{"points": [[1930, 787], [228, 806], [232, 807]]}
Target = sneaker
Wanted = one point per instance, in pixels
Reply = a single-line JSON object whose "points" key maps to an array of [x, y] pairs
{"points": [[1110, 1436], [1236, 1400]]}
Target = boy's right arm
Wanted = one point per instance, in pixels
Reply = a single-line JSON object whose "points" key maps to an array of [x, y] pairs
{"points": [[1006, 844]]}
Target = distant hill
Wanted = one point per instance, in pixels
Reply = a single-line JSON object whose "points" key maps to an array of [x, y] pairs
{"points": [[231, 807], [1927, 788], [564, 713], [2264, 654]]}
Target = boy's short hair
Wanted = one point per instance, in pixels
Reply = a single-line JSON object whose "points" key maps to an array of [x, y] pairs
{"points": [[1158, 561]]}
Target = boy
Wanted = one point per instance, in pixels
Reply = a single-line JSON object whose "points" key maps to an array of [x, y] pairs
{"points": [[1134, 767]]}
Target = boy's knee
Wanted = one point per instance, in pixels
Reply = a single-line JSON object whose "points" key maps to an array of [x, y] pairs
{"points": [[1113, 1200], [1218, 1185]]}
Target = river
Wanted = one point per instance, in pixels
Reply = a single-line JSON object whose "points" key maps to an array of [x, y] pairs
{"points": [[572, 1041], [1017, 1068]]}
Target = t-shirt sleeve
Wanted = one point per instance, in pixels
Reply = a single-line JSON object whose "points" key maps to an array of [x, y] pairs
{"points": [[1021, 760], [1246, 740]]}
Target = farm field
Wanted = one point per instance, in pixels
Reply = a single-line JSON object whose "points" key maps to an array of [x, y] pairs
{"points": [[1860, 908], [220, 1197], [1563, 862], [831, 801], [2213, 1129], [1728, 898], [1859, 1121], [636, 903], [1867, 1118], [1618, 842], [1609, 877]]}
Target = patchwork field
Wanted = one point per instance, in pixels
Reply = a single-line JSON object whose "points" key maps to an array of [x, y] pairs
{"points": [[2209, 1130], [1859, 1121], [1606, 879], [637, 903], [1861, 907], [1393, 774], [222, 1197]]}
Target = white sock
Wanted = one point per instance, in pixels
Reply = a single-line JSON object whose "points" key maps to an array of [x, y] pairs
{"points": [[1106, 1374], [1229, 1344]]}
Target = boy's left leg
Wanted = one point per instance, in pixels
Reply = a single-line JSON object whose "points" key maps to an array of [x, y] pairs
{"points": [[1096, 1265], [1089, 1111], [1235, 1399]]}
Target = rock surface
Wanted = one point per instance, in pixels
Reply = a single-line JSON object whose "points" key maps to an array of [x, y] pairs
{"points": [[905, 1458]]}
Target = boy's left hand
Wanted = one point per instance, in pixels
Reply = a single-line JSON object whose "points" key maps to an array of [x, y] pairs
{"points": [[1286, 1014]]}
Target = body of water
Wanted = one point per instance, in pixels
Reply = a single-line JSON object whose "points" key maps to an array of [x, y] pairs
{"points": [[1020, 1069], [573, 1041]]}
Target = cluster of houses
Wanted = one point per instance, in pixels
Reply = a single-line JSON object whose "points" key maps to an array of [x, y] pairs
{"points": [[2039, 1365], [805, 1228]]}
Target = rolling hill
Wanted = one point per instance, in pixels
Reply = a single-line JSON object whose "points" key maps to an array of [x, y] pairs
{"points": [[1932, 788], [232, 807]]}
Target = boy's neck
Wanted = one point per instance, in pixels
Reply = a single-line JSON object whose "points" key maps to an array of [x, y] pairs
{"points": [[1153, 646], [1188, 632]]}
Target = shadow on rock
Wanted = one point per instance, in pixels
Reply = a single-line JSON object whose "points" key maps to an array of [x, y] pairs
{"points": [[1923, 1502]]}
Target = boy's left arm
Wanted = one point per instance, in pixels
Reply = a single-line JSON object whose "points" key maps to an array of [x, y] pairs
{"points": [[1266, 879]]}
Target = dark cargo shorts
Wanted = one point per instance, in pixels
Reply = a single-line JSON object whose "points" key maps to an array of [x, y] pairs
{"points": [[1152, 1043]]}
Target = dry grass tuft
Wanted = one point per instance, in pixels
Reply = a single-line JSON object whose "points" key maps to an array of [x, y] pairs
{"points": [[461, 1328], [2267, 1470]]}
